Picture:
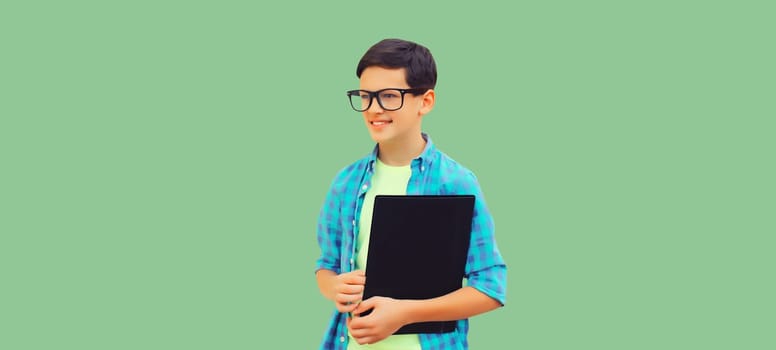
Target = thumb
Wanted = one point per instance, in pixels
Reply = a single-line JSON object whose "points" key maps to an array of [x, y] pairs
{"points": [[365, 305]]}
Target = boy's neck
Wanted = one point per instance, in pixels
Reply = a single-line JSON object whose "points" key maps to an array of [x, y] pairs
{"points": [[401, 153]]}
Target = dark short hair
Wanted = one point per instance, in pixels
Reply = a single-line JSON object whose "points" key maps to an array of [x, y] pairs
{"points": [[397, 53]]}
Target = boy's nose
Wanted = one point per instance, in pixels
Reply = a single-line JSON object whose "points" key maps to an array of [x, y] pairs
{"points": [[375, 107]]}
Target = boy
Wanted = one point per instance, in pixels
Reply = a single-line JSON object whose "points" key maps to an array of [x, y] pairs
{"points": [[397, 80]]}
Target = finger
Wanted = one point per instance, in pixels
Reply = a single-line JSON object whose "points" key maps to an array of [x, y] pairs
{"points": [[347, 298], [355, 277], [355, 280], [356, 331], [366, 340], [350, 288]]}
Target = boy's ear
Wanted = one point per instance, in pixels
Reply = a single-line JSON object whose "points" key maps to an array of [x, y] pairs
{"points": [[428, 102]]}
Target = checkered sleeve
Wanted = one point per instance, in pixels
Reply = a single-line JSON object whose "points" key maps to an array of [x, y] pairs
{"points": [[329, 231], [485, 267]]}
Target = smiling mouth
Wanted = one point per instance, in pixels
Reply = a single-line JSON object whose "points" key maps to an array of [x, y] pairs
{"points": [[381, 122]]}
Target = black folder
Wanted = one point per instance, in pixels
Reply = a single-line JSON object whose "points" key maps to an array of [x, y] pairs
{"points": [[418, 247]]}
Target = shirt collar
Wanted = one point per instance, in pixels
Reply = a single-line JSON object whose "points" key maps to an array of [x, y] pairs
{"points": [[424, 158]]}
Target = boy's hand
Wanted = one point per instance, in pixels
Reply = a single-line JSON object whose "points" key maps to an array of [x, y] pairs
{"points": [[348, 290], [387, 316]]}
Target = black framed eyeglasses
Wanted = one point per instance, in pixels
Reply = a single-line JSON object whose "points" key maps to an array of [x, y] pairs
{"points": [[390, 99]]}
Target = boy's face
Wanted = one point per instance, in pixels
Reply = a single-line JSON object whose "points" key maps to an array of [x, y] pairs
{"points": [[393, 127]]}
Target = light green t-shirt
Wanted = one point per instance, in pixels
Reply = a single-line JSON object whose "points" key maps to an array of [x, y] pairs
{"points": [[386, 180]]}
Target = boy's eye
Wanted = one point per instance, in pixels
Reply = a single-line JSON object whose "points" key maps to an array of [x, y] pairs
{"points": [[388, 96]]}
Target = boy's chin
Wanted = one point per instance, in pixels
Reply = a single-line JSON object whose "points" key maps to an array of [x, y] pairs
{"points": [[378, 137]]}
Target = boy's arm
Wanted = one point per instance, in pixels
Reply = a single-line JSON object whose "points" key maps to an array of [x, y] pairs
{"points": [[463, 303], [388, 315]]}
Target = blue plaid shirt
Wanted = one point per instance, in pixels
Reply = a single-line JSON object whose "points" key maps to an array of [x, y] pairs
{"points": [[433, 173]]}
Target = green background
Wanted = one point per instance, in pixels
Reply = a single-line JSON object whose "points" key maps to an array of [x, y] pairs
{"points": [[162, 165]]}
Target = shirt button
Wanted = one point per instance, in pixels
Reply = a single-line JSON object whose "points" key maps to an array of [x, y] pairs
{"points": [[351, 261], [342, 339], [422, 168], [354, 222], [364, 187]]}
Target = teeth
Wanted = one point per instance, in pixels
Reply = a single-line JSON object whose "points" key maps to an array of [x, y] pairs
{"points": [[379, 122]]}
